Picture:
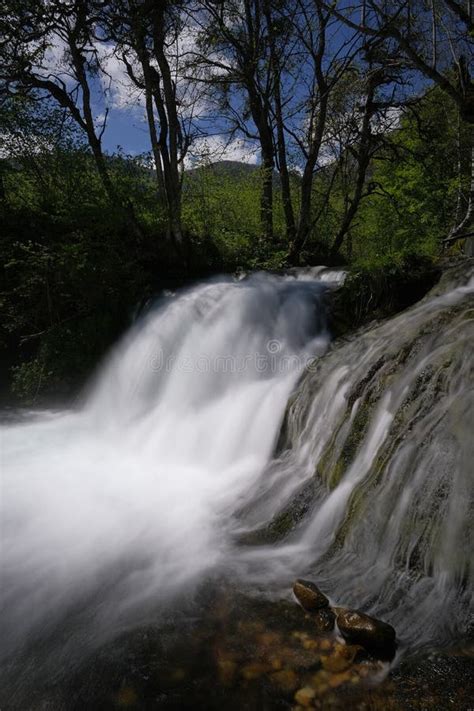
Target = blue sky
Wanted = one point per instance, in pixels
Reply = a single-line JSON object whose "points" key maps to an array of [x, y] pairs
{"points": [[126, 129], [126, 126]]}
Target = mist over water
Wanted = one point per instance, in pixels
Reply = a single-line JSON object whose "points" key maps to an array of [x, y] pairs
{"points": [[151, 486], [378, 442], [129, 499]]}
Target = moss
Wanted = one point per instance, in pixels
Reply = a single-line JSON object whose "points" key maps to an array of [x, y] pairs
{"points": [[333, 471], [286, 520], [426, 389], [328, 459], [431, 384]]}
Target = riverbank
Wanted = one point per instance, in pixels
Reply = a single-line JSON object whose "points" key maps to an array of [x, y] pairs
{"points": [[240, 653]]}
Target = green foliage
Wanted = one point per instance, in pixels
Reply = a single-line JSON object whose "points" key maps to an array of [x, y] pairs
{"points": [[411, 192], [221, 202], [73, 274], [413, 206], [30, 378]]}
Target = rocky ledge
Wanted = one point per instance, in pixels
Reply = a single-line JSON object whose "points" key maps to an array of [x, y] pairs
{"points": [[237, 652]]}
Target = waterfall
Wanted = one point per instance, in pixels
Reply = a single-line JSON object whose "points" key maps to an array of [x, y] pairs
{"points": [[222, 436], [372, 490], [130, 498]]}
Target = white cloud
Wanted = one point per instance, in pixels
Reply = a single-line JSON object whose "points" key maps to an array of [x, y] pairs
{"points": [[388, 120], [54, 63], [122, 94], [216, 148], [120, 91], [114, 90]]}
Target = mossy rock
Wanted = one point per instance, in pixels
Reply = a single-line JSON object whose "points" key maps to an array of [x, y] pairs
{"points": [[375, 293], [285, 521]]}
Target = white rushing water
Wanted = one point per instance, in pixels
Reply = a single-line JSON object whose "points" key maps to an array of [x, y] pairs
{"points": [[379, 442], [145, 488], [135, 490]]}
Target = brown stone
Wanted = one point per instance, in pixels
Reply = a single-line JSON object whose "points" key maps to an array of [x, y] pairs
{"points": [[376, 636], [305, 696], [254, 670], [340, 659], [324, 619], [309, 595], [286, 680]]}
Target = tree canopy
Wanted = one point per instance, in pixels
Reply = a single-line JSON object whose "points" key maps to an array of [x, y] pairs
{"points": [[354, 121]]}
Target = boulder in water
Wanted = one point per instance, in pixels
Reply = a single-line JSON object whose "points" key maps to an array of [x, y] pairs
{"points": [[324, 619], [309, 595], [376, 636]]}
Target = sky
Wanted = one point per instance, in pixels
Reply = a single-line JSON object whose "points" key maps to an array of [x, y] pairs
{"points": [[127, 130]]}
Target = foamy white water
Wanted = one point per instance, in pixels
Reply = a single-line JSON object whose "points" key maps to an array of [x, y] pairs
{"points": [[169, 466], [135, 490], [379, 444]]}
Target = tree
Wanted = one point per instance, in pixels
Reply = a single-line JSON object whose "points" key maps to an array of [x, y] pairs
{"points": [[147, 42], [437, 40], [279, 35], [232, 45], [32, 34], [309, 62], [411, 209], [279, 56]]}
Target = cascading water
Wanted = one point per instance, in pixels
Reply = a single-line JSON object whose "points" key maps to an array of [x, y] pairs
{"points": [[130, 498], [373, 490], [165, 474]]}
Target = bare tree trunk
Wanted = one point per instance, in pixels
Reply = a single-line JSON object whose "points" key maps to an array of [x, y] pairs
{"points": [[284, 174], [260, 115], [317, 129], [95, 142], [170, 133], [280, 130], [304, 221], [363, 162], [152, 129], [266, 199], [459, 197], [461, 230], [260, 110]]}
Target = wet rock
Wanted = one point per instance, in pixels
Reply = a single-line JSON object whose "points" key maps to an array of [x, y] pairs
{"points": [[286, 680], [226, 671], [324, 620], [305, 696], [254, 670], [375, 635], [309, 595], [341, 658], [335, 664]]}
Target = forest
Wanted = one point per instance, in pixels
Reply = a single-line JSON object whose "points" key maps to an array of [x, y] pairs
{"points": [[236, 330], [351, 127]]}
